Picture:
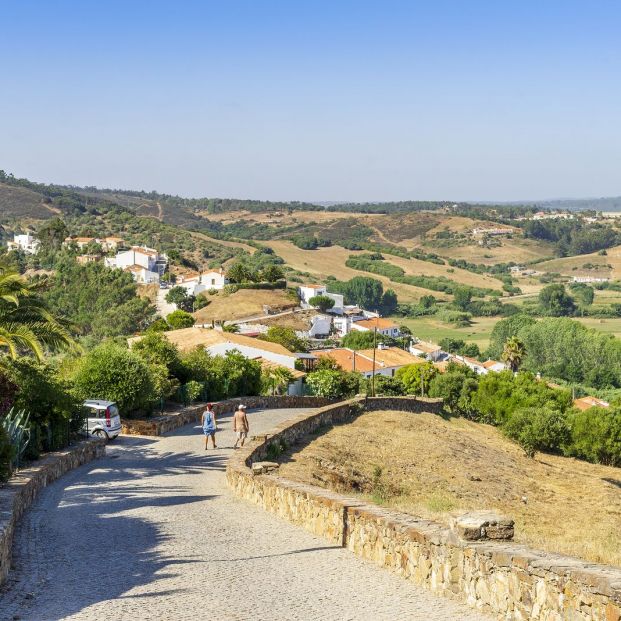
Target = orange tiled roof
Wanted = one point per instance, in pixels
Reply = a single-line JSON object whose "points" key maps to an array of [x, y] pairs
{"points": [[347, 359], [488, 364], [376, 322]]}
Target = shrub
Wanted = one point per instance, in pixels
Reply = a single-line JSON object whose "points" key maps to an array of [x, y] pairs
{"points": [[114, 373], [538, 429], [193, 390], [322, 302], [6, 455], [334, 384], [596, 435], [180, 319], [416, 378]]}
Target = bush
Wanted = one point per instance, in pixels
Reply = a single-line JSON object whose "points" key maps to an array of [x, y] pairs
{"points": [[180, 319], [334, 384], [538, 429], [416, 378], [114, 373], [322, 302], [54, 411], [6, 455], [596, 435], [286, 337]]}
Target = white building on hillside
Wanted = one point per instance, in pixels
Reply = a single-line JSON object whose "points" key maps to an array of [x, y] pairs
{"points": [[196, 283], [306, 292], [429, 351], [383, 326], [28, 243], [145, 264]]}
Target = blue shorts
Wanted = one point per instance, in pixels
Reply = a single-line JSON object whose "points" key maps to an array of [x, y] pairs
{"points": [[209, 431]]}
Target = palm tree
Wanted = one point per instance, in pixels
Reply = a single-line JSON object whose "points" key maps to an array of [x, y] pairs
{"points": [[26, 325], [513, 353], [276, 378]]}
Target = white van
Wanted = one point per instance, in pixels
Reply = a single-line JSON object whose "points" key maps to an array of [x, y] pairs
{"points": [[102, 419]]}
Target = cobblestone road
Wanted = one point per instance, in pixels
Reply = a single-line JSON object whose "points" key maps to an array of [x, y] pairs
{"points": [[151, 532]]}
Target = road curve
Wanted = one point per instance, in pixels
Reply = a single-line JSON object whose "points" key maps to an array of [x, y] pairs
{"points": [[151, 532]]}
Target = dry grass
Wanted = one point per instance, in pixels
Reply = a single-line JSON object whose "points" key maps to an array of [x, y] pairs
{"points": [[148, 291], [285, 218], [434, 468], [330, 261], [241, 304]]}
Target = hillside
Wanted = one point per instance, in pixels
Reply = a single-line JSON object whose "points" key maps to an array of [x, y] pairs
{"points": [[466, 466]]}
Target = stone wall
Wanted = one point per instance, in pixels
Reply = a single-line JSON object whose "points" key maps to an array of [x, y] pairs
{"points": [[504, 578], [21, 490], [159, 425]]}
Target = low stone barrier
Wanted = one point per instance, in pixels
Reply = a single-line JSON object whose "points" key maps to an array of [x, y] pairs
{"points": [[501, 577], [159, 425], [21, 490]]}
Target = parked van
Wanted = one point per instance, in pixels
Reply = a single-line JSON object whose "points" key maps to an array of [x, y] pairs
{"points": [[102, 419]]}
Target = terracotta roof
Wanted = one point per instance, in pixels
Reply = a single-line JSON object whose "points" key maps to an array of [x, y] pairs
{"points": [[114, 239], [384, 358], [391, 357], [268, 364], [441, 366], [345, 359], [135, 268], [426, 348], [376, 322], [187, 339], [488, 364], [313, 286], [84, 240], [147, 251], [585, 403]]}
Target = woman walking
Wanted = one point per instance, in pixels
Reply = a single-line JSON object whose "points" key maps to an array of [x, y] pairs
{"points": [[209, 426]]}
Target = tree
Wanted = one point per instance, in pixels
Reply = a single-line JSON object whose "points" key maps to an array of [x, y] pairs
{"points": [[276, 379], [272, 273], [389, 302], [538, 429], [114, 373], [459, 346], [286, 337], [334, 384], [155, 348], [327, 363], [596, 435], [416, 378], [322, 302], [555, 301], [360, 290], [513, 353], [239, 273], [180, 319], [456, 387], [505, 329], [179, 296], [26, 324], [462, 298], [358, 339], [52, 235]]}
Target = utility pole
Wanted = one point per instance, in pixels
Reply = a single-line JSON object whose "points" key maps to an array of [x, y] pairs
{"points": [[373, 376]]}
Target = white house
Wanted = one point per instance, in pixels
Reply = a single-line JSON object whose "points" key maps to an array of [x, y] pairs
{"points": [[473, 364], [494, 365], [197, 283], [589, 279], [383, 326], [28, 243], [429, 351], [145, 264], [306, 292], [320, 326]]}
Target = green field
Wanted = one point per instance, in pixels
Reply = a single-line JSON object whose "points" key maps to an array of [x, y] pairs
{"points": [[430, 329]]}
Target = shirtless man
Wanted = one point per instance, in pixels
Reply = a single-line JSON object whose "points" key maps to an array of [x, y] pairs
{"points": [[240, 425]]}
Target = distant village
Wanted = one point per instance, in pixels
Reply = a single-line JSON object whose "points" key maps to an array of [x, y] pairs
{"points": [[148, 266]]}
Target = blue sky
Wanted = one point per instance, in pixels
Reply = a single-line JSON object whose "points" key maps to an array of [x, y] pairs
{"points": [[315, 100]]}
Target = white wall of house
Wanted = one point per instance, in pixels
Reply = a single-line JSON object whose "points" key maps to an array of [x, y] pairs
{"points": [[27, 242], [392, 332], [306, 293], [434, 355], [128, 258]]}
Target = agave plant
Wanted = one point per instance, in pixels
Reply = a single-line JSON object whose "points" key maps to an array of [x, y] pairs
{"points": [[17, 426]]}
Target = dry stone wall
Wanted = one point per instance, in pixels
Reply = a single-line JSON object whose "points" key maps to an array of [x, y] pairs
{"points": [[504, 578], [159, 425], [21, 490]]}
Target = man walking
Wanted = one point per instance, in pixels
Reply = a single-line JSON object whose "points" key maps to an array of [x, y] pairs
{"points": [[240, 425]]}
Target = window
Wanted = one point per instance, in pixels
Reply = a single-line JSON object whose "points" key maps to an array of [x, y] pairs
{"points": [[213, 281]]}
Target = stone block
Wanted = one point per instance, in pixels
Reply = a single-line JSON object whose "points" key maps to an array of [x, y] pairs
{"points": [[482, 525], [264, 467]]}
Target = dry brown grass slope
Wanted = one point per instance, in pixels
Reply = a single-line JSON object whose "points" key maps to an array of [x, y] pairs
{"points": [[432, 467]]}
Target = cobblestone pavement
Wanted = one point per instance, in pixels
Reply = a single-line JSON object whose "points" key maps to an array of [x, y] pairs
{"points": [[151, 532]]}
